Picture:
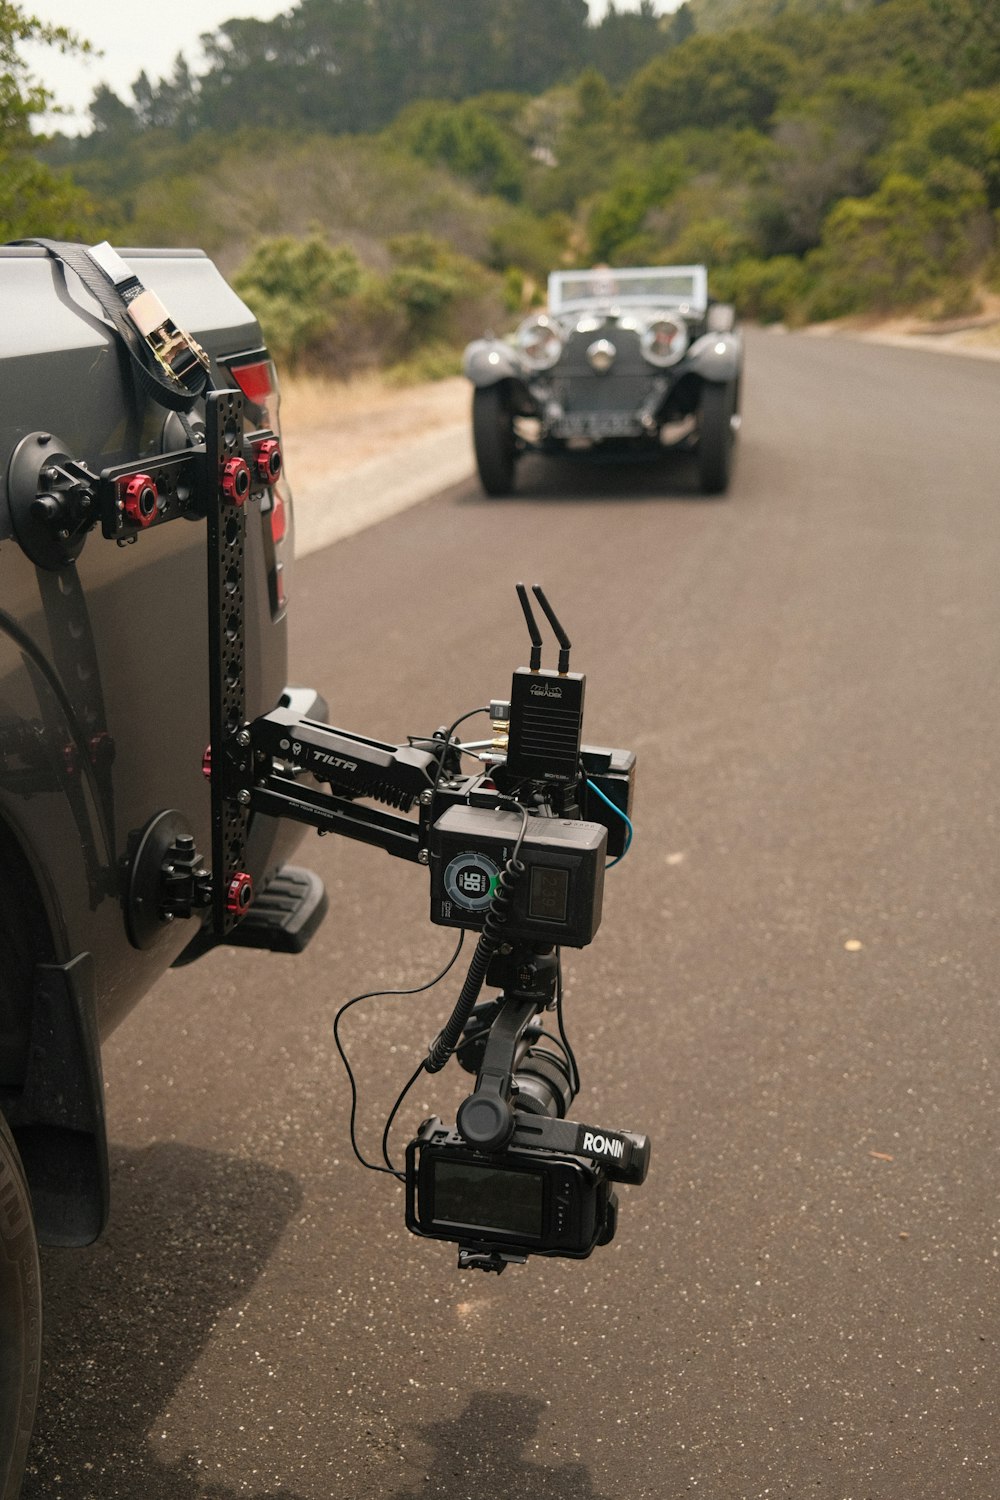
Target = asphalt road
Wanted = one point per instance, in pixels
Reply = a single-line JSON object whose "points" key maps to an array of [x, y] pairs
{"points": [[793, 991]]}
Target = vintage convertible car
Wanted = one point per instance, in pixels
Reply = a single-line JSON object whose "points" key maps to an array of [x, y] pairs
{"points": [[620, 362]]}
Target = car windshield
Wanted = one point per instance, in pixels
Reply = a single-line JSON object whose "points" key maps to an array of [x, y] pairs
{"points": [[675, 286]]}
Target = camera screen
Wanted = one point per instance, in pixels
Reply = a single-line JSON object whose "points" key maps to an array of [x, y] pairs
{"points": [[488, 1198], [548, 894]]}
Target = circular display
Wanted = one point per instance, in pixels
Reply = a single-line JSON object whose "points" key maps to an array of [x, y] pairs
{"points": [[470, 880]]}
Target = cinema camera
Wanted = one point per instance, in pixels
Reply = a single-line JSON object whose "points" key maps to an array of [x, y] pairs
{"points": [[516, 852]]}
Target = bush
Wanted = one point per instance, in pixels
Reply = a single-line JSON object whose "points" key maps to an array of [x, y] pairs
{"points": [[468, 141], [445, 297], [617, 217], [322, 310], [35, 201], [714, 242], [769, 291], [904, 244], [529, 244], [297, 290], [435, 362], [966, 130]]}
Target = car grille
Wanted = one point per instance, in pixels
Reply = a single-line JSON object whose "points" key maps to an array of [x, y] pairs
{"points": [[625, 386]]}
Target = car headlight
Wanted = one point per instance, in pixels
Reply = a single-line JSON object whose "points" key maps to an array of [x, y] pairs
{"points": [[539, 342], [664, 340]]}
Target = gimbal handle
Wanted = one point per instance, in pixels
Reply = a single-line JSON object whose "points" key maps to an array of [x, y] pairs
{"points": [[486, 1119], [622, 1154]]}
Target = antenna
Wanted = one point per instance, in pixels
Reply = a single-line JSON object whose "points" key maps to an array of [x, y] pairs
{"points": [[560, 634], [533, 631]]}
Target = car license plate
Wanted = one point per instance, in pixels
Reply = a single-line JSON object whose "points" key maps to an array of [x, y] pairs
{"points": [[597, 424]]}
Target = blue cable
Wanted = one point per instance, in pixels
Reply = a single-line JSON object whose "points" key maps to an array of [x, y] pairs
{"points": [[624, 817]]}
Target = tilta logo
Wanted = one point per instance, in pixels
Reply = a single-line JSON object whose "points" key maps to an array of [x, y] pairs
{"points": [[335, 760], [602, 1145], [538, 690]]}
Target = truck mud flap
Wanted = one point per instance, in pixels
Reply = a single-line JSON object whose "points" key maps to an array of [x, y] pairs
{"points": [[58, 1118]]}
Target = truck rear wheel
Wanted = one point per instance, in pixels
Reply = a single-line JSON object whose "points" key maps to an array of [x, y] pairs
{"points": [[20, 1317]]}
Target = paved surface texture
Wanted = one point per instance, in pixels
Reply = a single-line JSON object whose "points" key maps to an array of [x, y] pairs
{"points": [[793, 991]]}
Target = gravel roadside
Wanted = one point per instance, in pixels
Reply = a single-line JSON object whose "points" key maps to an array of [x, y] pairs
{"points": [[359, 452]]}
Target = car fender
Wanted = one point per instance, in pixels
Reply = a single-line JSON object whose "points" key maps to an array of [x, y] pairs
{"points": [[716, 356], [488, 361]]}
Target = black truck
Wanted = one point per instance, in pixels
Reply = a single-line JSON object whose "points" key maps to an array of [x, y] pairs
{"points": [[104, 722]]}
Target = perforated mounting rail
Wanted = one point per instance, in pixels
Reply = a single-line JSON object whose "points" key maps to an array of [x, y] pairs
{"points": [[230, 773]]}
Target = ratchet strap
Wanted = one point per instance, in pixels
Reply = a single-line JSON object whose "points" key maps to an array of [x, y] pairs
{"points": [[169, 365]]}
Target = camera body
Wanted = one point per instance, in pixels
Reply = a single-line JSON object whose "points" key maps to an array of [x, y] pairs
{"points": [[523, 1201]]}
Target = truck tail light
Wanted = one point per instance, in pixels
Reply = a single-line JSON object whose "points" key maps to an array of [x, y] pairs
{"points": [[257, 378]]}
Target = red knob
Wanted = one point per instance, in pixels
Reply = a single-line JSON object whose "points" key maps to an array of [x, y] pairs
{"points": [[239, 894], [235, 480], [206, 762], [138, 499], [267, 457]]}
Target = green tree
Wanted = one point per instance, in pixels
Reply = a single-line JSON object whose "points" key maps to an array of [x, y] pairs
{"points": [[34, 200], [594, 100], [353, 65], [22, 96], [465, 139], [826, 147], [733, 79], [904, 244], [640, 185], [624, 41], [967, 129], [110, 117]]}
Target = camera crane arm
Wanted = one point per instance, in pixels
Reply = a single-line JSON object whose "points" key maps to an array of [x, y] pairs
{"points": [[284, 746]]}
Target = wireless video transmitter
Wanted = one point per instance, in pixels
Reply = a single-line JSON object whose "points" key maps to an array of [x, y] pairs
{"points": [[546, 707]]}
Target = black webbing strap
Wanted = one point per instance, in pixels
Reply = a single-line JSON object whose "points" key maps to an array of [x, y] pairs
{"points": [[151, 376]]}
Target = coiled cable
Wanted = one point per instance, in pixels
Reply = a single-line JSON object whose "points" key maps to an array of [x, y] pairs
{"points": [[490, 939]]}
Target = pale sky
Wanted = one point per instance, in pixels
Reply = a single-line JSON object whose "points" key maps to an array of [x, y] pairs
{"points": [[133, 38]]}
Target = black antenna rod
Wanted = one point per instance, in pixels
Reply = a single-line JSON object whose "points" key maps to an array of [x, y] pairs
{"points": [[533, 630], [560, 634]]}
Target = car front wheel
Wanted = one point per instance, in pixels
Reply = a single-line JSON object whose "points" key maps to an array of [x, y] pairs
{"points": [[493, 440], [716, 437], [20, 1317]]}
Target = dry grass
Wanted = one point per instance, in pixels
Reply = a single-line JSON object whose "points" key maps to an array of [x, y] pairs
{"points": [[329, 427]]}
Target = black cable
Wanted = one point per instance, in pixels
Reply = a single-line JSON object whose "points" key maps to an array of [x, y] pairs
{"points": [[373, 995], [561, 1025], [447, 740], [490, 939], [401, 1176]]}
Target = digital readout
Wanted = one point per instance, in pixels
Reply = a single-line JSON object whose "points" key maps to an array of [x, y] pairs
{"points": [[548, 894]]}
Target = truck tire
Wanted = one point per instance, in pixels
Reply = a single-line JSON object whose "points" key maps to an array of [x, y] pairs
{"points": [[20, 1317]]}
